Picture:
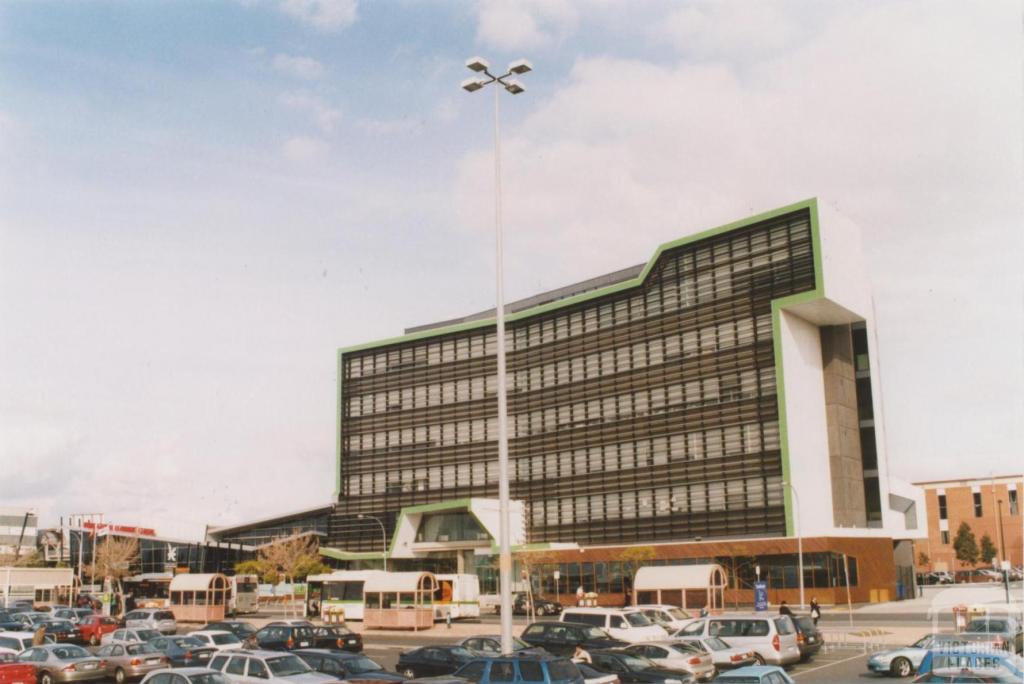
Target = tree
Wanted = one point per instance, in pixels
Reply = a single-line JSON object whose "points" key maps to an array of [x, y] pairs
{"points": [[31, 559], [293, 557], [633, 558], [259, 568], [988, 549], [114, 559], [965, 545]]}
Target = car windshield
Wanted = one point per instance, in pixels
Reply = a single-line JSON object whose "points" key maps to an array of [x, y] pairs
{"points": [[461, 652], [59, 625], [361, 664], [688, 647], [187, 642], [286, 666], [339, 631], [594, 633], [303, 632], [67, 652], [518, 644], [147, 634], [638, 619], [923, 642], [716, 644], [986, 626], [678, 614], [208, 678], [635, 662], [228, 638], [163, 615], [140, 649]]}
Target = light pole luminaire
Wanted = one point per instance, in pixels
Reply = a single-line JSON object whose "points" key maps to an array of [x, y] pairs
{"points": [[480, 66], [799, 540]]}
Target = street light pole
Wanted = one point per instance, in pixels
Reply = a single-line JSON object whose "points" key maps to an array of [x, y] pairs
{"points": [[513, 86], [383, 537], [799, 541]]}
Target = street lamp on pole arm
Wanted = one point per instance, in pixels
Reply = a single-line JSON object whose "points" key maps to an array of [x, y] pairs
{"points": [[513, 86], [383, 537]]}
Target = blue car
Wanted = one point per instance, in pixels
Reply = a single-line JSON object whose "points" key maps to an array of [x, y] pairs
{"points": [[530, 668], [756, 674]]}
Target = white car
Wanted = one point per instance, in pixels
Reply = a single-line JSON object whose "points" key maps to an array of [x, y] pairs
{"points": [[772, 638], [627, 624], [274, 667], [129, 636], [16, 642], [678, 655], [671, 618], [160, 619], [222, 641], [724, 656]]}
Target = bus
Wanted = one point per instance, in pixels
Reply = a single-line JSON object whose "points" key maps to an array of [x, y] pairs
{"points": [[457, 596], [149, 590], [245, 595], [342, 588]]}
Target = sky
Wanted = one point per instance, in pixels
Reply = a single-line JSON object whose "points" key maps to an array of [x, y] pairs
{"points": [[201, 201]]}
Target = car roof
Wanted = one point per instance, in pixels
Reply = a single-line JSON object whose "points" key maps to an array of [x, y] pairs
{"points": [[191, 670], [343, 655], [18, 635], [210, 632], [261, 653], [756, 670]]}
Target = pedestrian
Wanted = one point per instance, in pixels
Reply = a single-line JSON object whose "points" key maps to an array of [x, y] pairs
{"points": [[815, 610], [579, 595], [704, 611], [39, 637], [627, 599], [784, 609], [581, 656]]}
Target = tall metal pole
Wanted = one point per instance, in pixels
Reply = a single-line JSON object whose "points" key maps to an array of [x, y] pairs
{"points": [[383, 538], [799, 542], [504, 518]]}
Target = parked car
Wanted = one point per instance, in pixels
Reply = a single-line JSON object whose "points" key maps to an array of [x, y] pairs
{"points": [[724, 656], [62, 631], [1008, 629], [240, 628], [671, 618], [13, 672], [678, 655], [63, 663], [183, 651], [129, 636], [628, 624], [771, 638], [15, 642], [562, 638], [160, 619], [337, 636], [809, 638], [541, 605], [428, 661], [972, 659], [756, 674], [905, 661], [186, 675], [130, 661], [634, 669], [93, 627], [490, 645], [538, 669], [344, 665], [273, 667], [74, 615], [219, 640], [592, 676], [30, 619], [282, 637], [8, 621]]}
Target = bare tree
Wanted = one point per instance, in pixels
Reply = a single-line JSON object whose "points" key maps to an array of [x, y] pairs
{"points": [[114, 559], [291, 556]]}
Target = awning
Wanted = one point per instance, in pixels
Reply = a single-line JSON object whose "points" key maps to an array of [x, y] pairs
{"points": [[403, 582], [198, 582], [655, 577]]}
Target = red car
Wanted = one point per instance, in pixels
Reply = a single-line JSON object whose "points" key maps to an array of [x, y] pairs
{"points": [[13, 672], [93, 627]]}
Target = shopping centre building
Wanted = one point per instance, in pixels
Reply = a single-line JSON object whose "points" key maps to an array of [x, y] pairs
{"points": [[711, 404]]}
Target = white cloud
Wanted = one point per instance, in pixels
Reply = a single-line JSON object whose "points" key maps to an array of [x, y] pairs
{"points": [[325, 116], [730, 28], [323, 15], [305, 68], [303, 150], [524, 24]]}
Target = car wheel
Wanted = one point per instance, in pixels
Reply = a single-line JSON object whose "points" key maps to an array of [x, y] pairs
{"points": [[409, 673], [901, 667], [758, 659], [119, 676], [45, 678]]}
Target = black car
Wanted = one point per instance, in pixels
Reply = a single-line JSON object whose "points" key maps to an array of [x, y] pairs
{"points": [[562, 638], [433, 660], [62, 631], [808, 637], [337, 637], [634, 669], [490, 645], [240, 628], [8, 623], [541, 606], [184, 651], [346, 665], [283, 637]]}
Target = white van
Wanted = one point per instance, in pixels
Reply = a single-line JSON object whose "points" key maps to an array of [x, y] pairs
{"points": [[672, 618], [772, 638], [628, 624]]}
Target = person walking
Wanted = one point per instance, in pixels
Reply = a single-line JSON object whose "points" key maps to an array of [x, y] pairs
{"points": [[815, 610], [784, 609], [579, 595]]}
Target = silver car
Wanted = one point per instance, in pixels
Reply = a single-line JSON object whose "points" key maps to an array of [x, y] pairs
{"points": [[129, 636], [724, 656], [904, 661], [130, 661], [160, 619], [678, 655], [772, 638], [266, 667], [186, 675], [63, 663]]}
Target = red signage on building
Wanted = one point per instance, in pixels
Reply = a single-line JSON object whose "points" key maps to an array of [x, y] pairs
{"points": [[118, 529]]}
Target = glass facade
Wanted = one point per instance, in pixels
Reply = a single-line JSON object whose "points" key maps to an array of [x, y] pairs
{"points": [[648, 413]]}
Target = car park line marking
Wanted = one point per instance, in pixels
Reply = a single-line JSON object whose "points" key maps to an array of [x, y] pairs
{"points": [[822, 667]]}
